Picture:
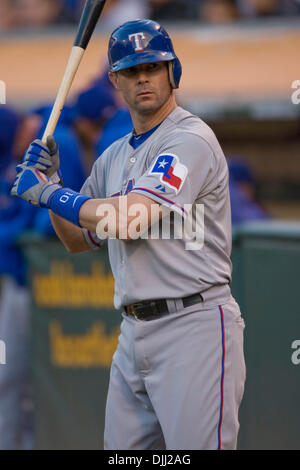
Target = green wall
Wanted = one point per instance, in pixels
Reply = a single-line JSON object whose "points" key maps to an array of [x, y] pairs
{"points": [[266, 284]]}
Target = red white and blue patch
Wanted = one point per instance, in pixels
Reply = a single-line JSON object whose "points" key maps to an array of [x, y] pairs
{"points": [[172, 172]]}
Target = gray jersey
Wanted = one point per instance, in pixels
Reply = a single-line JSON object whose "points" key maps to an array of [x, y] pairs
{"points": [[180, 164]]}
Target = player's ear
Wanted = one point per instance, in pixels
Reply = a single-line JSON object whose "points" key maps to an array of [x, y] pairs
{"points": [[114, 79]]}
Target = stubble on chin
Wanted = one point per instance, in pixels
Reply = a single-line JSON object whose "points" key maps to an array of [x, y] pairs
{"points": [[150, 106], [147, 108]]}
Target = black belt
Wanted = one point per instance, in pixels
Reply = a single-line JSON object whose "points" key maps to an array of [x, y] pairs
{"points": [[149, 309]]}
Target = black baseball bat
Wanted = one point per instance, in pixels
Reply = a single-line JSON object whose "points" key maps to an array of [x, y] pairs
{"points": [[89, 18]]}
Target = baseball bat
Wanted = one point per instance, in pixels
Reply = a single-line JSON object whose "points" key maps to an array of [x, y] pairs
{"points": [[89, 18]]}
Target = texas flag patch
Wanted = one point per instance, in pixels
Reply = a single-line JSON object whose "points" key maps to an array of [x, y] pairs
{"points": [[172, 172]]}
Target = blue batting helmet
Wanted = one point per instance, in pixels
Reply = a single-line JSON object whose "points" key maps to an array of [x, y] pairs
{"points": [[143, 41]]}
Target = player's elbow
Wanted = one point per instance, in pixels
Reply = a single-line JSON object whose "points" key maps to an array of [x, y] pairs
{"points": [[71, 248], [74, 247]]}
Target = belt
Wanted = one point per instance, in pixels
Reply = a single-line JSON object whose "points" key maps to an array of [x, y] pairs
{"points": [[150, 309]]}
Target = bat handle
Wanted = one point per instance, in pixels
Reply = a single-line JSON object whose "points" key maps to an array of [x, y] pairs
{"points": [[71, 69]]}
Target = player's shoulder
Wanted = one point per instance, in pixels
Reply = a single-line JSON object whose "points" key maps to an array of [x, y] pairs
{"points": [[186, 122], [184, 125]]}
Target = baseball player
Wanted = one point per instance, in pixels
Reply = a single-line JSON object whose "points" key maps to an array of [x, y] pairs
{"points": [[177, 376]]}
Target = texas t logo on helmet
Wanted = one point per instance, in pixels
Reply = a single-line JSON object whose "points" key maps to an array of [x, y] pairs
{"points": [[137, 37], [143, 42]]}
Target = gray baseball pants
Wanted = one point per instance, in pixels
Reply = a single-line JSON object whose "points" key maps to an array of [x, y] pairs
{"points": [[176, 382]]}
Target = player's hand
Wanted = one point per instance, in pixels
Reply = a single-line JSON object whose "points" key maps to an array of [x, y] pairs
{"points": [[33, 186], [43, 157]]}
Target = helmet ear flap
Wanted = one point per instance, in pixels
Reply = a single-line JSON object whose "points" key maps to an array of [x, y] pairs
{"points": [[175, 71]]}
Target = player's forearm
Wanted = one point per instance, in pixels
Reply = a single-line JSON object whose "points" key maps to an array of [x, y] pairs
{"points": [[70, 235], [105, 213], [124, 217]]}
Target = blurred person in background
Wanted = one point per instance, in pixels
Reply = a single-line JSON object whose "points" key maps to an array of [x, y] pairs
{"points": [[78, 134], [119, 124], [72, 9], [218, 11], [173, 9], [267, 8], [245, 205], [38, 13], [114, 12], [72, 164], [97, 112], [94, 107], [7, 15], [33, 126], [15, 217]]}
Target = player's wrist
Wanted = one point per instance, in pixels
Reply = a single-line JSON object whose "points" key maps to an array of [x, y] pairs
{"points": [[47, 194], [66, 203]]}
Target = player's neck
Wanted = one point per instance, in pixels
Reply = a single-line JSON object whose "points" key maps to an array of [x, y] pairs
{"points": [[143, 123]]}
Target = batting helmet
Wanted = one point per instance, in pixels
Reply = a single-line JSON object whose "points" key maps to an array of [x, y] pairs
{"points": [[140, 42]]}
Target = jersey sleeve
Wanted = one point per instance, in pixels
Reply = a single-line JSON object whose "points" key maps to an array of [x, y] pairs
{"points": [[94, 187], [178, 173]]}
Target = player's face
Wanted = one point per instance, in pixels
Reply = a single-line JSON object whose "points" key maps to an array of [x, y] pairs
{"points": [[145, 88]]}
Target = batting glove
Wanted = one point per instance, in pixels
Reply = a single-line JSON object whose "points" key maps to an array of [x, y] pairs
{"points": [[43, 157], [34, 186]]}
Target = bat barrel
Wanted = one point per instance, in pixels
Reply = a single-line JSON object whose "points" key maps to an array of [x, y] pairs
{"points": [[89, 19]]}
